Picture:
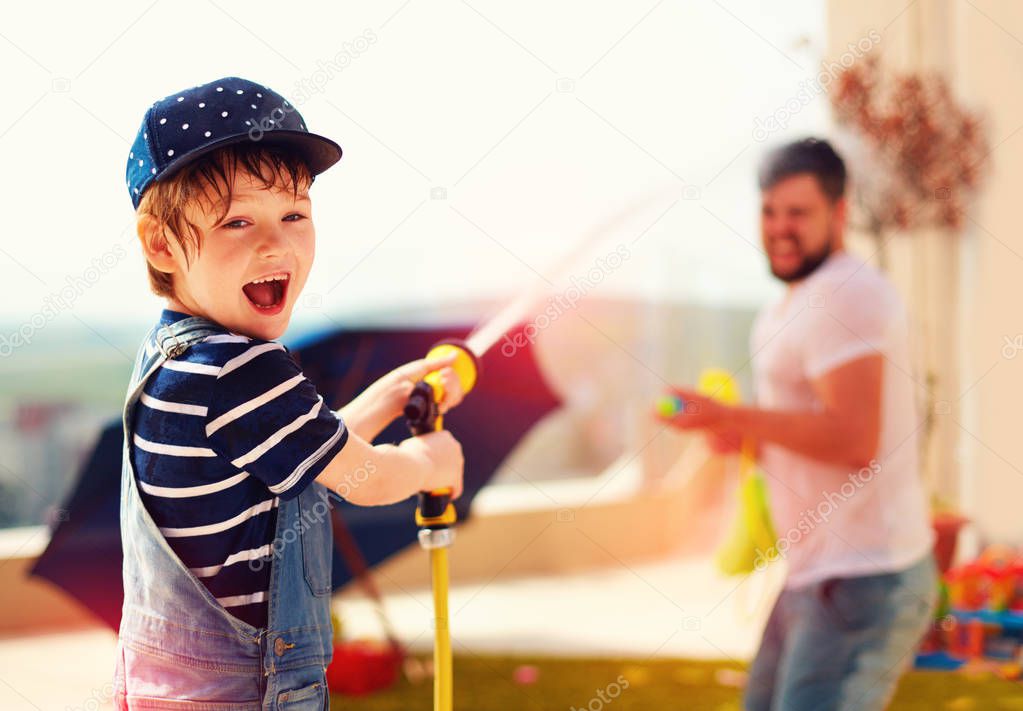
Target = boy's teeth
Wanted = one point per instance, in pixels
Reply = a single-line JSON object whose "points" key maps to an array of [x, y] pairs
{"points": [[282, 277], [267, 292]]}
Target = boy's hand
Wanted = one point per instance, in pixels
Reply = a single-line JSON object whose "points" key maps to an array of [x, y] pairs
{"points": [[396, 386], [384, 401], [443, 453]]}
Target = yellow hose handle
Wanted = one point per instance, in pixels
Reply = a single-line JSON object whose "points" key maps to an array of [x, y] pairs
{"points": [[435, 511], [422, 411]]}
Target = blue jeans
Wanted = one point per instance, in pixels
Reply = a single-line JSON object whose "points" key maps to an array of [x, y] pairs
{"points": [[843, 643]]}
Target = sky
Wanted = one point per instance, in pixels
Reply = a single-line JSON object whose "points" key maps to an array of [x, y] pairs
{"points": [[482, 142]]}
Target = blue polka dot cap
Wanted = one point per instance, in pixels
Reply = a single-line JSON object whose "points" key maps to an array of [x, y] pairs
{"points": [[183, 126]]}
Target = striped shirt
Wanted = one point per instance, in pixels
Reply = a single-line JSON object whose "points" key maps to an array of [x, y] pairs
{"points": [[221, 433]]}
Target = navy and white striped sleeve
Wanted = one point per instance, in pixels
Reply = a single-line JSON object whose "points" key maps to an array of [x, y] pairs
{"points": [[267, 419]]}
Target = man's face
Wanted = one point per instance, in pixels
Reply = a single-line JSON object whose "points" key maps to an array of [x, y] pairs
{"points": [[799, 225], [252, 264]]}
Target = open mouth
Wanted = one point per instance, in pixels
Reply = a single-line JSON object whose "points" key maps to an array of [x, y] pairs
{"points": [[267, 294], [784, 251]]}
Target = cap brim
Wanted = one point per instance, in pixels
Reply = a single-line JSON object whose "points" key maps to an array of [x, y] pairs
{"points": [[318, 152]]}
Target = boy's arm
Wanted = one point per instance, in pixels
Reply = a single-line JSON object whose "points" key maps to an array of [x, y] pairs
{"points": [[367, 417], [266, 418], [369, 475]]}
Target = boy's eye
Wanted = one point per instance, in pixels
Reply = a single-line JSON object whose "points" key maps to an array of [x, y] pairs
{"points": [[240, 223]]}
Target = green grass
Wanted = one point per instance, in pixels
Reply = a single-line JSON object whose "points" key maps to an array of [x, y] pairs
{"points": [[485, 683]]}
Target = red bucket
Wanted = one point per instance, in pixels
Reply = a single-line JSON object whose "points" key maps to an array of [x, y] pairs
{"points": [[363, 666]]}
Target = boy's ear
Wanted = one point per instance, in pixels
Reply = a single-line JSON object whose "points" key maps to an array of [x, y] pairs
{"points": [[154, 244]]}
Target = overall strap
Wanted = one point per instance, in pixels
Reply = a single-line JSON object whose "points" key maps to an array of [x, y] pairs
{"points": [[175, 338], [171, 340], [163, 342]]}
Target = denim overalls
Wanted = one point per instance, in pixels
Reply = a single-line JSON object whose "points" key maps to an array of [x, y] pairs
{"points": [[177, 647]]}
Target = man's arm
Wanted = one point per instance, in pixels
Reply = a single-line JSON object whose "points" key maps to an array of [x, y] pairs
{"points": [[845, 431]]}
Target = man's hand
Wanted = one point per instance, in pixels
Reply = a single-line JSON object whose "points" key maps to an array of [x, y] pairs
{"points": [[845, 431], [698, 412], [724, 442]]}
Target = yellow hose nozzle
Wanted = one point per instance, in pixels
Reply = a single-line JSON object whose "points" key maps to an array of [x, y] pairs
{"points": [[435, 510]]}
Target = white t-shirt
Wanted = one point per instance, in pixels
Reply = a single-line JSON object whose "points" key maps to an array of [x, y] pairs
{"points": [[834, 520]]}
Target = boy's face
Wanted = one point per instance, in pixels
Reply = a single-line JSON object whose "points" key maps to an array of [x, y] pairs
{"points": [[251, 265]]}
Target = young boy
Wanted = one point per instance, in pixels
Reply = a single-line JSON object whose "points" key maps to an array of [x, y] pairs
{"points": [[229, 450]]}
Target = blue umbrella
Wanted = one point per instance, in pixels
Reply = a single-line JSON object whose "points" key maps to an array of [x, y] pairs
{"points": [[84, 554]]}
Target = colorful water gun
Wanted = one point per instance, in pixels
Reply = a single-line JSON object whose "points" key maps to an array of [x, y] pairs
{"points": [[753, 537]]}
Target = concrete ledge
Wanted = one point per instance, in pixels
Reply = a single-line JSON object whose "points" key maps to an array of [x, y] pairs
{"points": [[578, 532], [546, 528]]}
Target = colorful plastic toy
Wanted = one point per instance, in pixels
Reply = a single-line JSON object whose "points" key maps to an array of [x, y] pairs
{"points": [[979, 625], [752, 538]]}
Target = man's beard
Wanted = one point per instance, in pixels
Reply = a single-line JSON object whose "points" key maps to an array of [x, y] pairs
{"points": [[808, 266]]}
